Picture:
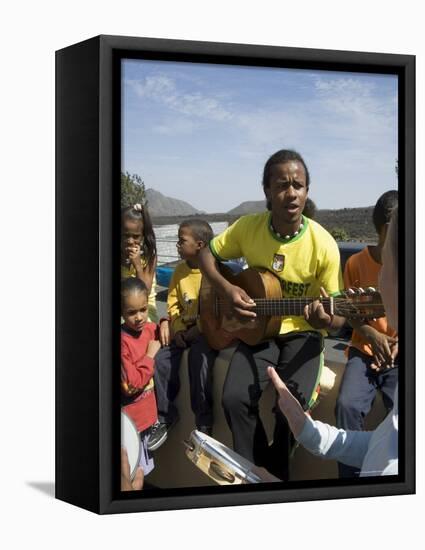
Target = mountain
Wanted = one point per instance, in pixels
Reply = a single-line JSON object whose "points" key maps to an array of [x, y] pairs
{"points": [[160, 205], [248, 207]]}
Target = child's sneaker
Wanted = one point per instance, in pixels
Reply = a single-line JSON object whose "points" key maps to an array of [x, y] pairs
{"points": [[158, 435]]}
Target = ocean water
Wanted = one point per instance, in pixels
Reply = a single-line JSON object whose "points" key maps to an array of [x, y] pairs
{"points": [[166, 239]]}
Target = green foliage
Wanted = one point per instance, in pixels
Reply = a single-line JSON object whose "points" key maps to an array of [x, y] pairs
{"points": [[356, 222], [339, 234], [132, 189]]}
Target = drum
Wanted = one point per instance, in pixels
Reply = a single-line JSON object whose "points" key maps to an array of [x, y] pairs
{"points": [[219, 462], [131, 441]]}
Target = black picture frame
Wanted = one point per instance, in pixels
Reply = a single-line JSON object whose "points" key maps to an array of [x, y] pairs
{"points": [[87, 216]]}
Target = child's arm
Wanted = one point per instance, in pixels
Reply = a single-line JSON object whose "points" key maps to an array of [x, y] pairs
{"points": [[347, 446], [143, 272], [382, 345], [173, 305], [164, 332], [182, 327], [352, 280], [148, 274], [137, 373]]}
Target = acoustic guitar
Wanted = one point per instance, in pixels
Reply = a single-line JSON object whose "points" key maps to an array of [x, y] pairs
{"points": [[221, 326]]}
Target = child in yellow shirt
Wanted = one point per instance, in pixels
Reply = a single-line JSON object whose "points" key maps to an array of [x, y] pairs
{"points": [[138, 250], [183, 295]]}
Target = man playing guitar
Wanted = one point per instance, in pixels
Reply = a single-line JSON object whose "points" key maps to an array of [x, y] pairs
{"points": [[305, 257]]}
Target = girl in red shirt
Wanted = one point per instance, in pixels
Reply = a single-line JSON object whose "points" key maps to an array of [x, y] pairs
{"points": [[139, 345]]}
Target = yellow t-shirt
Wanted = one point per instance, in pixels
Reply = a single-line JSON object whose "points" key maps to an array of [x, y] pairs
{"points": [[130, 271], [183, 297], [303, 263]]}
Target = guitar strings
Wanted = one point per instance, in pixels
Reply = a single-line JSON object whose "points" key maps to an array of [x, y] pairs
{"points": [[342, 306], [289, 303], [302, 303], [369, 309], [300, 300]]}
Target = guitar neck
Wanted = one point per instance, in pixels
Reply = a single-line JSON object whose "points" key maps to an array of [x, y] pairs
{"points": [[289, 306], [351, 303]]}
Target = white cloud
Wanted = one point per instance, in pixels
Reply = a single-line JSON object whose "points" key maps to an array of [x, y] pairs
{"points": [[355, 104], [349, 85], [163, 89], [175, 126], [153, 86], [344, 112], [343, 108]]}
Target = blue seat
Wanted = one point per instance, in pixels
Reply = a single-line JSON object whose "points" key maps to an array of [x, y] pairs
{"points": [[163, 275]]}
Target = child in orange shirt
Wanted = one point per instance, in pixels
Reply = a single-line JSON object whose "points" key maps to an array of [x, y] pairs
{"points": [[373, 349]]}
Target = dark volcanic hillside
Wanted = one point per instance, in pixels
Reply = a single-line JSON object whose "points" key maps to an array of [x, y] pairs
{"points": [[160, 205], [248, 207], [356, 222]]}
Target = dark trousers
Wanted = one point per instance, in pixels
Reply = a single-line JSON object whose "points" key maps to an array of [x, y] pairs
{"points": [[167, 381], [357, 394], [297, 358]]}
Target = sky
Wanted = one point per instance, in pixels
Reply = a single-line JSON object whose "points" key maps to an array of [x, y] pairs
{"points": [[202, 133]]}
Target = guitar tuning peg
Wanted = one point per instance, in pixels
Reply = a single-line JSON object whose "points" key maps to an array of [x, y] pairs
{"points": [[350, 292], [370, 290], [355, 291]]}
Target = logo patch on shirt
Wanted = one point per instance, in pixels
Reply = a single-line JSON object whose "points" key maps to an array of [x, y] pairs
{"points": [[278, 262], [186, 299]]}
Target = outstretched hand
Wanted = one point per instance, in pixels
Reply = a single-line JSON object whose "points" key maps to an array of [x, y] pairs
{"points": [[288, 404]]}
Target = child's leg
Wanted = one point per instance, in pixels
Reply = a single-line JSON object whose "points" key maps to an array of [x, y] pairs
{"points": [[299, 365], [201, 361], [388, 381], [167, 383], [356, 395], [146, 459]]}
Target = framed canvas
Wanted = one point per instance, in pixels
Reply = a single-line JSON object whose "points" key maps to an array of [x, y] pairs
{"points": [[183, 130]]}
